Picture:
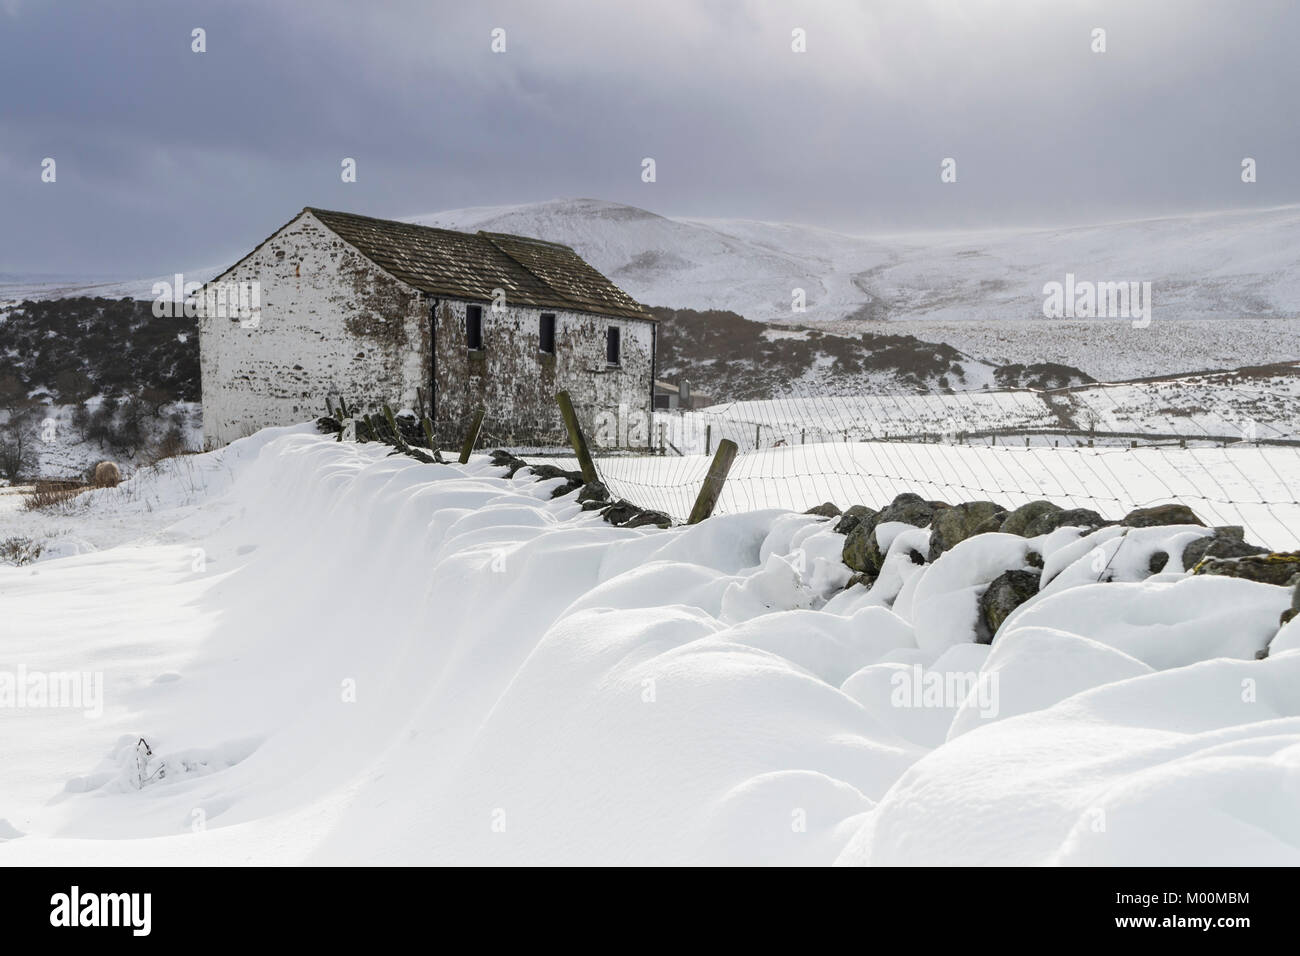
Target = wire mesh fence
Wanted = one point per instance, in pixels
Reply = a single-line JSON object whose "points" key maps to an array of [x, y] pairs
{"points": [[1227, 449]]}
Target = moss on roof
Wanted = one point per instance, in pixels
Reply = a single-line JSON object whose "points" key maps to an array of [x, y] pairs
{"points": [[465, 265]]}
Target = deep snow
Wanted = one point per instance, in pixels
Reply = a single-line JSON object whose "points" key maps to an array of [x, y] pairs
{"points": [[337, 657]]}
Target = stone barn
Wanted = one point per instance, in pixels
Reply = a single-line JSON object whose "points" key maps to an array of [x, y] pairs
{"points": [[384, 312]]}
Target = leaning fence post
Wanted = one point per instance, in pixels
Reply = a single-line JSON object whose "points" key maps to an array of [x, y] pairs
{"points": [[711, 490], [576, 438], [471, 437]]}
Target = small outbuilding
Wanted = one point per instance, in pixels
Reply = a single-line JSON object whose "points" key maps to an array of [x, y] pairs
{"points": [[385, 312]]}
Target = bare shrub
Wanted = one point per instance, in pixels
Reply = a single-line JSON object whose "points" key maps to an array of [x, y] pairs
{"points": [[52, 495], [19, 551], [171, 445], [18, 457]]}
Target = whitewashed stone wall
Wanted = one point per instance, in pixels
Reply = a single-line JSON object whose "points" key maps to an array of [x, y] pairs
{"points": [[332, 323], [516, 382]]}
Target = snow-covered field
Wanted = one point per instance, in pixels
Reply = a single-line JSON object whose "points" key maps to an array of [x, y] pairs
{"points": [[338, 657], [1254, 487], [1108, 350], [1206, 408]]}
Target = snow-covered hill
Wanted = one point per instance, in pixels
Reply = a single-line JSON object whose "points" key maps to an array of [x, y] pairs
{"points": [[1224, 286], [1214, 265], [18, 287], [1220, 265]]}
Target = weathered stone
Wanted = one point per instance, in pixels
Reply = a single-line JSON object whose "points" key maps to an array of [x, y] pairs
{"points": [[594, 505], [568, 488], [1034, 559], [826, 509], [1161, 515], [1294, 611], [543, 472], [951, 525], [910, 509], [866, 580], [593, 491], [849, 520], [856, 543], [1157, 562], [993, 523], [862, 551], [656, 518], [1005, 593], [620, 512], [504, 459], [1228, 541], [1049, 521], [1019, 519], [1273, 568]]}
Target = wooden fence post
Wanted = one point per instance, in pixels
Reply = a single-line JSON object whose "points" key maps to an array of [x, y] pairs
{"points": [[708, 439], [576, 438], [471, 437], [711, 490]]}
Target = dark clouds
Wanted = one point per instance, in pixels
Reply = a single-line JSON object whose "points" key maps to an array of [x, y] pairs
{"points": [[169, 159]]}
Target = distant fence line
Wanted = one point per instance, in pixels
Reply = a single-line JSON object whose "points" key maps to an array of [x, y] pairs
{"points": [[1009, 446], [1001, 446]]}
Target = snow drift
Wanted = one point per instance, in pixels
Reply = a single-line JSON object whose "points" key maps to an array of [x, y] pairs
{"points": [[329, 656]]}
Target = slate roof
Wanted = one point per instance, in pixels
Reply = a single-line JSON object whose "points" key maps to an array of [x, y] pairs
{"points": [[463, 265]]}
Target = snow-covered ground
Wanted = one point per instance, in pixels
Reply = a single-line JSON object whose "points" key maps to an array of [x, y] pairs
{"points": [[1209, 408], [1108, 350], [340, 657]]}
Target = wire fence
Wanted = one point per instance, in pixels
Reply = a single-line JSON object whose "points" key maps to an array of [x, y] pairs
{"points": [[1228, 449]]}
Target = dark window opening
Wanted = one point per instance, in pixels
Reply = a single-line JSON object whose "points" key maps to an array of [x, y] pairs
{"points": [[474, 327], [611, 345], [546, 333]]}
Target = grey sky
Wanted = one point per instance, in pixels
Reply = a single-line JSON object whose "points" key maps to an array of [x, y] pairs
{"points": [[169, 159]]}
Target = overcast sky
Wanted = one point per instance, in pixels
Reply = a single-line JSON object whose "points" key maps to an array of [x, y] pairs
{"points": [[169, 159]]}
